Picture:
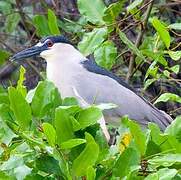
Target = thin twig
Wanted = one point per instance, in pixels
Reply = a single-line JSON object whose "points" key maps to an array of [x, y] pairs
{"points": [[22, 15], [138, 41]]}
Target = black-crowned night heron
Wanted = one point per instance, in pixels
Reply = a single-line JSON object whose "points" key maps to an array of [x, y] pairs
{"points": [[76, 76]]}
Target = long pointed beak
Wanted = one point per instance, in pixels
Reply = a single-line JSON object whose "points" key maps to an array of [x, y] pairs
{"points": [[33, 51]]}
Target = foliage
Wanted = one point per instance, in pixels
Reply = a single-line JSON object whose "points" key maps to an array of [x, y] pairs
{"points": [[65, 141], [43, 136]]}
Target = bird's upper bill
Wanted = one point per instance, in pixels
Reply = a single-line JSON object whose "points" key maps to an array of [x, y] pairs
{"points": [[44, 44]]}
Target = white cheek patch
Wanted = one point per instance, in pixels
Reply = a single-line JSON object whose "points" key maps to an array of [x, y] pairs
{"points": [[39, 44]]}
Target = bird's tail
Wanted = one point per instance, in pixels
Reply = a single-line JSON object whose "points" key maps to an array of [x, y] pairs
{"points": [[161, 118]]}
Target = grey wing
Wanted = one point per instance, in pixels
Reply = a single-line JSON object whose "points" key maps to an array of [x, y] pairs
{"points": [[96, 88]]}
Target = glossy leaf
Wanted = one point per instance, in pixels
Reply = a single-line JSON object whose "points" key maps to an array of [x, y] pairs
{"points": [[87, 157], [162, 174], [63, 126], [12, 21], [93, 10], [130, 45], [52, 23], [69, 101], [88, 116], [50, 133], [133, 5], [126, 162], [112, 11], [139, 137], [20, 87], [175, 69], [148, 82], [164, 142], [4, 55], [152, 70], [175, 55], [106, 54], [72, 143], [41, 24], [176, 26], [45, 99], [162, 31], [20, 108], [165, 160], [168, 97], [92, 40], [48, 164], [91, 174], [156, 56], [174, 129], [6, 134]]}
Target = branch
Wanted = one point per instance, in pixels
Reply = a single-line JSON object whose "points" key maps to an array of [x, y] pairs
{"points": [[23, 19], [138, 40]]}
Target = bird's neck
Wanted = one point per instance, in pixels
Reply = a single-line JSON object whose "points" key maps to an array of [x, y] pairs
{"points": [[64, 66]]}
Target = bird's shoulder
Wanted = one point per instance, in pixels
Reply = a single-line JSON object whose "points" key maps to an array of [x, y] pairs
{"points": [[91, 66]]}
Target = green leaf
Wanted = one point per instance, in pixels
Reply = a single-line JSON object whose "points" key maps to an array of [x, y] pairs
{"points": [[92, 40], [133, 5], [88, 116], [87, 157], [176, 26], [175, 55], [175, 69], [148, 82], [174, 129], [5, 7], [12, 21], [112, 11], [5, 176], [41, 24], [20, 87], [166, 73], [4, 98], [30, 95], [166, 160], [168, 97], [93, 10], [162, 31], [76, 125], [50, 133], [6, 134], [72, 143], [63, 126], [47, 164], [162, 174], [4, 55], [131, 46], [91, 174], [106, 54], [22, 171], [20, 107], [13, 162], [156, 56], [127, 161], [165, 142], [139, 137], [45, 99], [69, 101], [52, 23], [152, 70]]}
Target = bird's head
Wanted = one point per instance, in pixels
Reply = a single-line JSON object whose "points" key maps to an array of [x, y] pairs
{"points": [[48, 48]]}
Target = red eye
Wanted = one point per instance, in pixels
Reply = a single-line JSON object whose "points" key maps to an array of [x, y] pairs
{"points": [[49, 43]]}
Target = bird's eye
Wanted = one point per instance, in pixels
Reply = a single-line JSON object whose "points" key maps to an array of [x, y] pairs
{"points": [[49, 43]]}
